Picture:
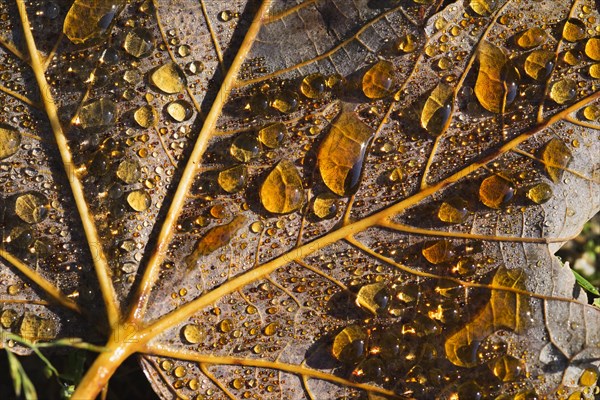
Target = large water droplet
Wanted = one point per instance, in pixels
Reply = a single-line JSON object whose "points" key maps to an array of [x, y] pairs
{"points": [[10, 140], [169, 78], [282, 190]]}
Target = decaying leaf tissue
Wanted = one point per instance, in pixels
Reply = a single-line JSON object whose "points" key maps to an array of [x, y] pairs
{"points": [[303, 199]]}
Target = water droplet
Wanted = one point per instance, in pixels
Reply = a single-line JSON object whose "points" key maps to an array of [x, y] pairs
{"points": [[271, 329], [129, 171], [539, 64], [589, 377], [139, 200], [184, 50], [438, 252], [465, 266], [378, 80], [496, 191], [34, 328], [591, 113], [540, 193], [437, 109], [180, 110], [531, 38], [169, 78], [225, 325], [453, 211], [496, 84], [194, 67], [507, 368], [373, 297], [573, 30], [233, 179], [179, 372], [572, 57], [8, 317], [556, 157], [324, 206], [245, 147], [483, 7], [225, 16], [469, 390], [282, 190], [594, 71], [342, 152], [285, 101], [193, 334], [349, 344], [132, 76], [32, 207], [313, 86], [215, 238], [98, 115], [563, 91], [407, 44], [592, 48], [87, 21], [272, 135], [146, 116], [139, 43], [10, 140]]}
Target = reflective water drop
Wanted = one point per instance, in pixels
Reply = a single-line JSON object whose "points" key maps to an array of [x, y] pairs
{"points": [[90, 20], [572, 57], [285, 101], [465, 266], [469, 391], [540, 193], [539, 64], [349, 344], [184, 50], [272, 135], [591, 113], [180, 110], [373, 297], [233, 179], [169, 78], [194, 67], [496, 84], [193, 334], [282, 190], [139, 200], [573, 30], [324, 206], [10, 140], [245, 147], [556, 157], [215, 238], [32, 207], [8, 317], [589, 377], [496, 191], [483, 7], [313, 86], [226, 325], [592, 48], [225, 15], [35, 328], [563, 91], [146, 116], [132, 76], [594, 71], [342, 152], [139, 43], [453, 211], [258, 103], [378, 80], [407, 44], [531, 38], [271, 329], [438, 252], [129, 171], [98, 115], [507, 368], [437, 109]]}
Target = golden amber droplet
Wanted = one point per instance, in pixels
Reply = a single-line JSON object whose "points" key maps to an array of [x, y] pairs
{"points": [[592, 113], [324, 206], [556, 157], [184, 50], [179, 110], [285, 101], [146, 116], [496, 84], [313, 86], [169, 78], [531, 38], [179, 372], [496, 191], [373, 297], [215, 238], [594, 71], [438, 252], [342, 152], [98, 115], [282, 190], [34, 328], [272, 135], [563, 91], [483, 7], [89, 20], [245, 147], [589, 377], [139, 200], [378, 80], [573, 30], [271, 329], [453, 211], [10, 140], [233, 179], [139, 43], [8, 317], [193, 334], [592, 48], [407, 44], [437, 109], [32, 207], [572, 57], [540, 193], [225, 325], [507, 368], [129, 171], [539, 64], [349, 344], [237, 383]]}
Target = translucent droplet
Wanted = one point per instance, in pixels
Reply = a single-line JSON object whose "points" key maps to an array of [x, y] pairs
{"points": [[438, 252], [324, 206], [592, 48], [139, 200], [245, 147], [594, 71], [90, 20], [139, 43], [540, 193], [184, 50], [496, 191], [180, 110], [563, 91], [194, 67], [215, 238], [146, 116], [342, 152], [8, 317], [34, 328], [407, 44], [259, 103], [507, 368], [129, 171], [437, 109], [313, 86], [272, 135], [589, 377], [132, 76], [531, 38], [373, 297], [225, 325], [483, 7], [193, 334], [539, 64], [233, 179], [496, 84], [556, 157], [32, 207], [98, 115], [285, 101], [10, 141], [225, 16], [282, 191], [271, 329], [169, 78], [573, 30], [591, 113], [378, 80], [453, 211], [349, 344]]}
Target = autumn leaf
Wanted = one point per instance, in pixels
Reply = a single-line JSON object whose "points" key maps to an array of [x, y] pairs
{"points": [[320, 199]]}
